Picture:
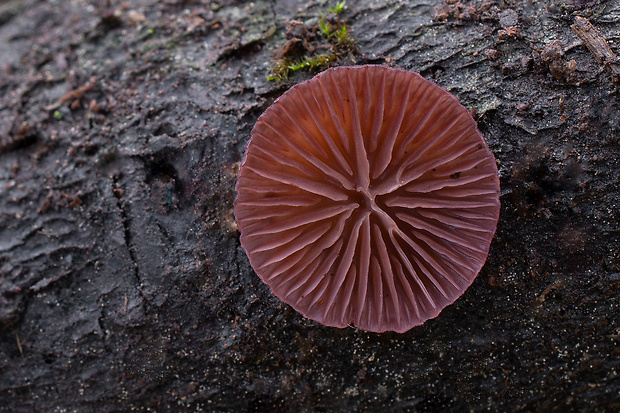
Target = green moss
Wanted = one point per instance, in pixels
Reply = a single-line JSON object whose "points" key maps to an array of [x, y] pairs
{"points": [[342, 35], [310, 63], [338, 8], [307, 63], [330, 39], [324, 27]]}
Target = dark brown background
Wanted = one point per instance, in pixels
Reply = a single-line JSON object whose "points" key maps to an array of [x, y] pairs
{"points": [[122, 282]]}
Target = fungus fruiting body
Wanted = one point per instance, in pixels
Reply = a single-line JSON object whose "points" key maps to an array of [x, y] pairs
{"points": [[367, 197]]}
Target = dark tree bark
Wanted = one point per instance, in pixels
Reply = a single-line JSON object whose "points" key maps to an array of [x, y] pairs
{"points": [[122, 281]]}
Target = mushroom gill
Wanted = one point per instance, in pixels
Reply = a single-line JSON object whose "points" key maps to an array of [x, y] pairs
{"points": [[367, 197]]}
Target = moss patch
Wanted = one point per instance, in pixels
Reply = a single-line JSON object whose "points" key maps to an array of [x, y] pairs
{"points": [[313, 45]]}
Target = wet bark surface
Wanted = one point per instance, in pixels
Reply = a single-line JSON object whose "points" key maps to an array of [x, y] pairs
{"points": [[122, 282]]}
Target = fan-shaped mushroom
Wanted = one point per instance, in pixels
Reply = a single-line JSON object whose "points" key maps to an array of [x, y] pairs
{"points": [[367, 196]]}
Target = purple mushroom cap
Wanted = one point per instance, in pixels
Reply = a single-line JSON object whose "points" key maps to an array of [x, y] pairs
{"points": [[367, 197]]}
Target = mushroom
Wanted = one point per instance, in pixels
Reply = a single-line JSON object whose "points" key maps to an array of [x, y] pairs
{"points": [[367, 197]]}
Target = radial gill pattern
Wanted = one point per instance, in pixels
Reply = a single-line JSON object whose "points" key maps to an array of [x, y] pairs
{"points": [[367, 197]]}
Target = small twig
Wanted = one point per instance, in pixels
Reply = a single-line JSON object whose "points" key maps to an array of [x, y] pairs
{"points": [[597, 45], [19, 344], [73, 94]]}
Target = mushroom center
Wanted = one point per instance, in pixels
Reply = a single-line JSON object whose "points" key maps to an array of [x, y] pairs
{"points": [[365, 198]]}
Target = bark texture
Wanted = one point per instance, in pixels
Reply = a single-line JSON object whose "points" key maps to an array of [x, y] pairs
{"points": [[122, 282]]}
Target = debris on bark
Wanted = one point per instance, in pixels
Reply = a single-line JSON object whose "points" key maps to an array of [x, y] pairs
{"points": [[598, 46]]}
